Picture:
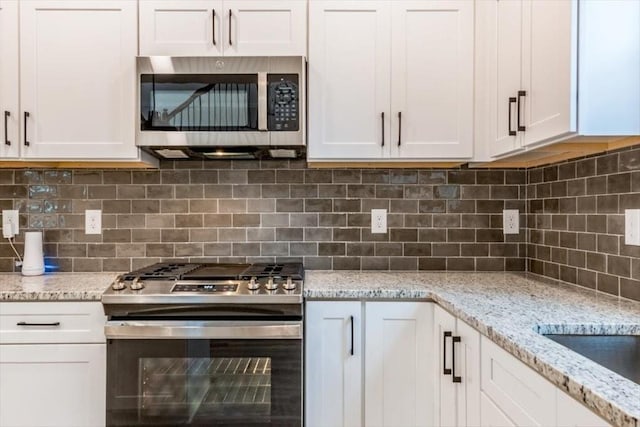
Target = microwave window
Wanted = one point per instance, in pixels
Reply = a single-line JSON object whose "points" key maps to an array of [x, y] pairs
{"points": [[194, 102]]}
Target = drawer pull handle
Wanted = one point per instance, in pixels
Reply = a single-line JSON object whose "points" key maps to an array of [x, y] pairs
{"points": [[38, 324]]}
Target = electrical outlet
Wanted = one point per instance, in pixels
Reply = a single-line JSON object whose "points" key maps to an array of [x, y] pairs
{"points": [[511, 221], [10, 223], [632, 227], [93, 221], [378, 221]]}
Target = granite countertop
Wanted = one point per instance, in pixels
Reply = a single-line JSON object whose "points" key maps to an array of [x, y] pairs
{"points": [[512, 309], [54, 286]]}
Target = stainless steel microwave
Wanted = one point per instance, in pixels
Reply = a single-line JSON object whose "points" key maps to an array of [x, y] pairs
{"points": [[219, 107]]}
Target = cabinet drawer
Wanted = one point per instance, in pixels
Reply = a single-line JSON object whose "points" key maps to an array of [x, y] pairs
{"points": [[51, 322], [521, 393]]}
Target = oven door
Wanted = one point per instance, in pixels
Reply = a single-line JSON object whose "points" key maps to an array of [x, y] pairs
{"points": [[204, 373]]}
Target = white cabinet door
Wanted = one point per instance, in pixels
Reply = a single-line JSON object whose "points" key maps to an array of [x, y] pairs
{"points": [[333, 367], [521, 393], [467, 362], [500, 24], [52, 385], [444, 327], [491, 415], [265, 27], [77, 60], [398, 364], [609, 101], [432, 79], [9, 80], [349, 79], [572, 413], [548, 49], [181, 28]]}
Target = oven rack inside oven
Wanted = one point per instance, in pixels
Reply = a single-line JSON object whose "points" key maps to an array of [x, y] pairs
{"points": [[213, 382]]}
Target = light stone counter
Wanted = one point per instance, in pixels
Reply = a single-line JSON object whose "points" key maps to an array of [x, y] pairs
{"points": [[54, 286], [512, 310]]}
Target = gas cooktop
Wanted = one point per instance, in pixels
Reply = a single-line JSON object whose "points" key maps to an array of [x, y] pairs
{"points": [[188, 283]]}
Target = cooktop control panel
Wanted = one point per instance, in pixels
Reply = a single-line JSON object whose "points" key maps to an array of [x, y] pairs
{"points": [[284, 108], [204, 287]]}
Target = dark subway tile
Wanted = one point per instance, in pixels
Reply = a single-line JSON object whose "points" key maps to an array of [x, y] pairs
{"points": [[446, 192], [461, 177], [608, 284], [398, 176], [607, 164], [586, 167], [389, 191]]}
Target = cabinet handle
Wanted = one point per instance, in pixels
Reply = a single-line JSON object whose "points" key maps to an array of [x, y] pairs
{"points": [[213, 26], [445, 370], [521, 93], [382, 121], [38, 324], [6, 128], [454, 378], [512, 100], [351, 351], [399, 128], [230, 15], [26, 116]]}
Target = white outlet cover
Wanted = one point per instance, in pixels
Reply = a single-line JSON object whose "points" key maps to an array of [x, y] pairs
{"points": [[378, 221], [93, 221], [511, 221], [10, 223], [632, 227]]}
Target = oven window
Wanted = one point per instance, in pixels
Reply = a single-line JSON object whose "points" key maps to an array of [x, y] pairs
{"points": [[201, 382], [199, 102], [218, 387]]}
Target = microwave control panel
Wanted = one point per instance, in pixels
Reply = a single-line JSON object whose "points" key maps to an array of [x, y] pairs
{"points": [[284, 102]]}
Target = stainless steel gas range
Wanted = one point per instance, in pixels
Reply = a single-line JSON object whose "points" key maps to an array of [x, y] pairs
{"points": [[205, 344]]}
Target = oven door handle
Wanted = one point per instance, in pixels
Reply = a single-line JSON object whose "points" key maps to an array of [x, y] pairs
{"points": [[194, 329]]}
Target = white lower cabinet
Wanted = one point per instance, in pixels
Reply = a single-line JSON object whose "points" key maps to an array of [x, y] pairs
{"points": [[392, 388], [457, 371], [52, 364], [514, 394]]}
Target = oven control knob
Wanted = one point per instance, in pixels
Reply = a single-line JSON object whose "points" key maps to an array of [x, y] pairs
{"points": [[253, 285], [289, 285], [136, 285], [118, 284], [271, 285]]}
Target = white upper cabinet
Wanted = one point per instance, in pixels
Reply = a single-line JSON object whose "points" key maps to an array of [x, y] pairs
{"points": [[77, 85], [549, 44], [265, 27], [432, 78], [609, 86], [180, 28], [527, 87], [390, 80], [230, 28], [349, 79], [9, 78]]}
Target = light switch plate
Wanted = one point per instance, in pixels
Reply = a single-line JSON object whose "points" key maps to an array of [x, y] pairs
{"points": [[632, 227], [93, 221], [511, 221]]}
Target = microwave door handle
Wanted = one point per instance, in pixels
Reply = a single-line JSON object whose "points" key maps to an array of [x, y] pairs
{"points": [[262, 101]]}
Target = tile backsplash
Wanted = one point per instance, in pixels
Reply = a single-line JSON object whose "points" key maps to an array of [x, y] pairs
{"points": [[236, 211], [270, 210], [576, 222]]}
